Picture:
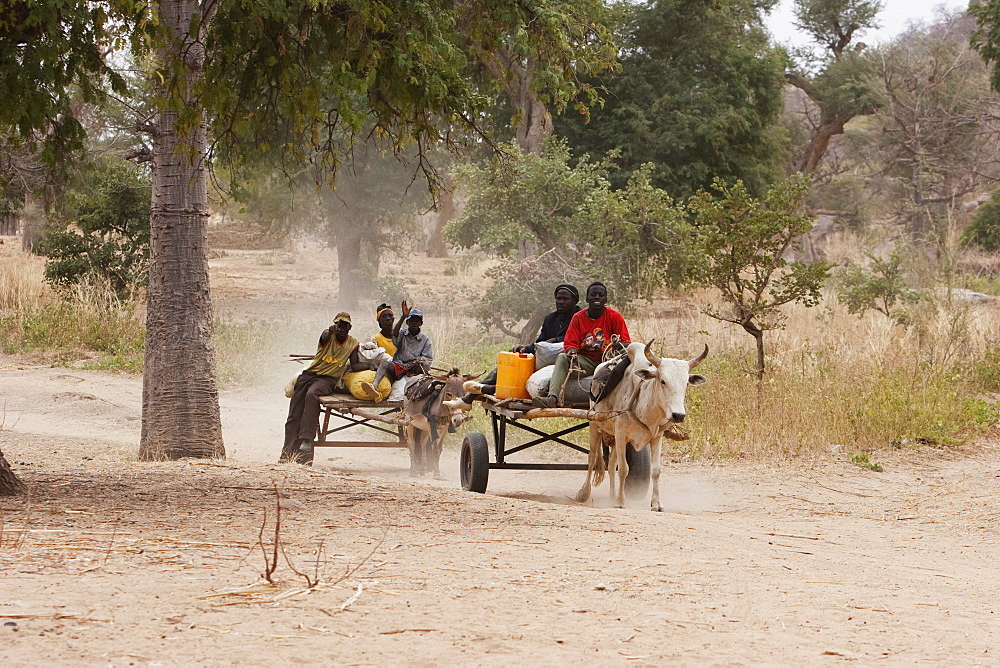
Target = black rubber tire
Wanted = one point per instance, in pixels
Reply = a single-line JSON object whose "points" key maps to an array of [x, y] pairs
{"points": [[475, 463], [639, 467]]}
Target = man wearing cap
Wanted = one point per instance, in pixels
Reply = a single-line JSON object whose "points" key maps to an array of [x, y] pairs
{"points": [[413, 349], [337, 350]]}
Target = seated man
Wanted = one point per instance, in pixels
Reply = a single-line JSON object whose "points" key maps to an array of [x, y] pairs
{"points": [[362, 383], [337, 350], [589, 334], [555, 324], [553, 331], [413, 349]]}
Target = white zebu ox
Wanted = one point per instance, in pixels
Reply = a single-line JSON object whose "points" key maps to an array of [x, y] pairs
{"points": [[648, 401]]}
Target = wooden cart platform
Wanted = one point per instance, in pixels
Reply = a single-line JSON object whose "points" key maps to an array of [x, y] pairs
{"points": [[355, 412]]}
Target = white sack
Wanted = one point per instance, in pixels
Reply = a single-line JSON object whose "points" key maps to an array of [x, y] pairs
{"points": [[577, 391], [546, 354]]}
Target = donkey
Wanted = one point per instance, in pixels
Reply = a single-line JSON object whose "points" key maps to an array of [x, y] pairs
{"points": [[432, 408]]}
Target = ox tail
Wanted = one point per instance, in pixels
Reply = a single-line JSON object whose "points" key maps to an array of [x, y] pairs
{"points": [[596, 464]]}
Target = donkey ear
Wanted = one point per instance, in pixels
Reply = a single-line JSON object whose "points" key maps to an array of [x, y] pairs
{"points": [[473, 376]]}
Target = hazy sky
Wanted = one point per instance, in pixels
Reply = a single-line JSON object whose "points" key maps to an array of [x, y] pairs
{"points": [[894, 17]]}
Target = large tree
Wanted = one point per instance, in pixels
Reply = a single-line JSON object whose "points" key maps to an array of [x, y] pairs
{"points": [[839, 88], [698, 95], [298, 78], [567, 209], [52, 54], [737, 244]]}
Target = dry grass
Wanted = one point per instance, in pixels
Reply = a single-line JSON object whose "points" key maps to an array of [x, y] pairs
{"points": [[21, 285], [35, 319], [834, 379]]}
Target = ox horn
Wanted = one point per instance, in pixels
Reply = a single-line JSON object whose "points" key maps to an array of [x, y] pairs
{"points": [[648, 352], [699, 359]]}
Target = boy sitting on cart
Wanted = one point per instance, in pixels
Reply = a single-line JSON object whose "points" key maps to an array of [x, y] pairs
{"points": [[553, 331], [414, 351]]}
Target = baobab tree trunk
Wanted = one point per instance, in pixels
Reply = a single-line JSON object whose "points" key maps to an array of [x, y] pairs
{"points": [[9, 483], [180, 399]]}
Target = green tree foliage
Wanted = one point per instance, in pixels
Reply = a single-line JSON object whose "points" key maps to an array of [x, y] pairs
{"points": [[307, 80], [984, 228], [104, 235], [878, 288], [569, 211], [532, 198], [986, 38], [53, 54], [737, 244], [698, 95], [832, 23]]}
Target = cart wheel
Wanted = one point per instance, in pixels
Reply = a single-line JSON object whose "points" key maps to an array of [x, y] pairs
{"points": [[475, 462], [637, 481]]}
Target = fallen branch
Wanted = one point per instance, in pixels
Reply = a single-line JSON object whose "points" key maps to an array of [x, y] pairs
{"points": [[352, 599]]}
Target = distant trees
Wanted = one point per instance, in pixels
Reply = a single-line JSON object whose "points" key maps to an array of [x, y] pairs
{"points": [[102, 231], [697, 97], [937, 139], [879, 288], [581, 227]]}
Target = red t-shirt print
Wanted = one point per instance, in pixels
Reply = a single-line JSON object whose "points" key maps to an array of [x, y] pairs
{"points": [[593, 341]]}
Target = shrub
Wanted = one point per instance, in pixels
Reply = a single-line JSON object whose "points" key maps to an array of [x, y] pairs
{"points": [[103, 235], [984, 228]]}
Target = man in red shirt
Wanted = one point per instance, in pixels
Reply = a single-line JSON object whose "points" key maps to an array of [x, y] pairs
{"points": [[589, 334]]}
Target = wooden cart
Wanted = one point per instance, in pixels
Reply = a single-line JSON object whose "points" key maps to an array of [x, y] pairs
{"points": [[508, 415], [359, 413]]}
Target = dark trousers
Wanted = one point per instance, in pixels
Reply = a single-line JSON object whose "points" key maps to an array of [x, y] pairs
{"points": [[303, 409]]}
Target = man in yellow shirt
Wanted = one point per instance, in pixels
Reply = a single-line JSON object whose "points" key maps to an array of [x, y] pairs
{"points": [[337, 350], [362, 383]]}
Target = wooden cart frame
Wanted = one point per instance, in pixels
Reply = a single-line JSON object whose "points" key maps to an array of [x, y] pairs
{"points": [[359, 413], [475, 464]]}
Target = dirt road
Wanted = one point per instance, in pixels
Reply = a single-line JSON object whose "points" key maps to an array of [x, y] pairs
{"points": [[117, 562]]}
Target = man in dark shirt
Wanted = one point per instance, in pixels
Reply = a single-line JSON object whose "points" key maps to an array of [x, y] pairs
{"points": [[553, 331], [555, 323]]}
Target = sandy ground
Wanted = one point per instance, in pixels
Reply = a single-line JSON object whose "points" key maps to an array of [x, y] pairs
{"points": [[115, 562]]}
